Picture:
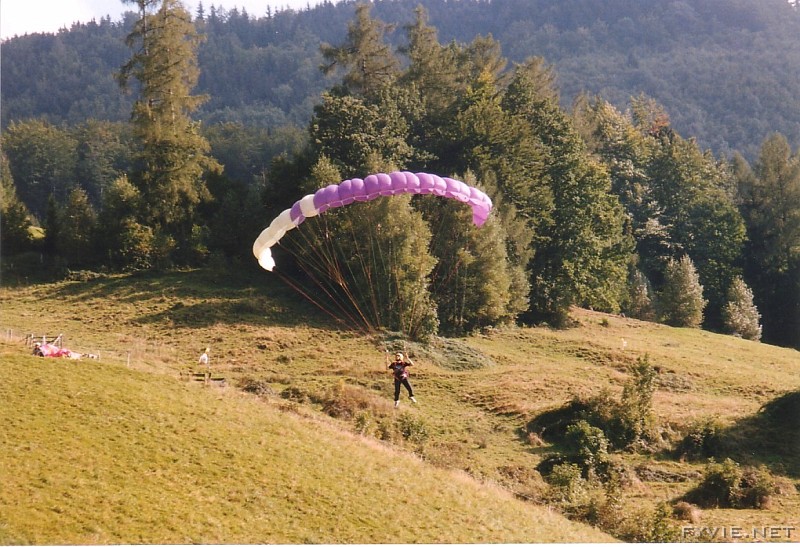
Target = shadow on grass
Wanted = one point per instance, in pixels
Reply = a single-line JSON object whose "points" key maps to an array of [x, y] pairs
{"points": [[771, 437], [201, 298]]}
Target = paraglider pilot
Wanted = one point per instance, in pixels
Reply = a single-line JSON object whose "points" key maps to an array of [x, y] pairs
{"points": [[398, 367]]}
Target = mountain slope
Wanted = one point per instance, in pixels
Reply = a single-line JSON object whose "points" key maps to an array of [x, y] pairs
{"points": [[723, 69]]}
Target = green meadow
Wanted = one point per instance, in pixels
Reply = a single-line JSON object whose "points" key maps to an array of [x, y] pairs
{"points": [[294, 439]]}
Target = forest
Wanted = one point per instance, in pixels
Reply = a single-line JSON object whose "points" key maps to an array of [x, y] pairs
{"points": [[723, 69], [641, 156]]}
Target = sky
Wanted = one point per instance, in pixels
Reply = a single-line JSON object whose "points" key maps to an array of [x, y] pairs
{"points": [[18, 17]]}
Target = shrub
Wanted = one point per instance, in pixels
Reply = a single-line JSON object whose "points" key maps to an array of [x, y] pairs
{"points": [[256, 386], [364, 422], [636, 406], [654, 528], [412, 428], [757, 488], [589, 445], [535, 440], [345, 401], [567, 484], [606, 510], [720, 485], [294, 393], [683, 510], [552, 425], [727, 485], [703, 441], [629, 420]]}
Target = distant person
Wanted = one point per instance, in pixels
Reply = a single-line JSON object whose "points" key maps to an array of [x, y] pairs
{"points": [[204, 361], [398, 367]]}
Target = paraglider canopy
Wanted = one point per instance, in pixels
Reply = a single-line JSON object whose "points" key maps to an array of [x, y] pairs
{"points": [[369, 188]]}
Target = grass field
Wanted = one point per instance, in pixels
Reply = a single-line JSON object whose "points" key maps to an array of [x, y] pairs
{"points": [[301, 444]]}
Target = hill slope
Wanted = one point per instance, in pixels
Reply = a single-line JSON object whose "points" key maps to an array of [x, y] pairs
{"points": [[97, 453], [311, 393]]}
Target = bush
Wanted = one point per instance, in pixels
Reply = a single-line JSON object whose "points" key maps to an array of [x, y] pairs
{"points": [[364, 422], [636, 405], [589, 445], [684, 510], [552, 425], [727, 485], [703, 441], [412, 428], [567, 484], [295, 394], [346, 401], [653, 528], [629, 420], [720, 486], [256, 386], [757, 488]]}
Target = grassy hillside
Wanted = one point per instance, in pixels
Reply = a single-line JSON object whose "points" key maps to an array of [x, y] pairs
{"points": [[302, 444], [97, 453]]}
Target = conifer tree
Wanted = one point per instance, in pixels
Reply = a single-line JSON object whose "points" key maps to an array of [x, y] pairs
{"points": [[473, 282], [350, 130], [173, 157], [641, 303], [681, 300], [15, 220], [432, 68], [367, 264], [434, 75], [770, 202], [691, 187], [613, 138], [505, 158], [740, 314], [368, 62], [78, 227]]}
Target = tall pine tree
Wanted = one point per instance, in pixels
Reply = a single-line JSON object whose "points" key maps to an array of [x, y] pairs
{"points": [[173, 158], [769, 198], [368, 62]]}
